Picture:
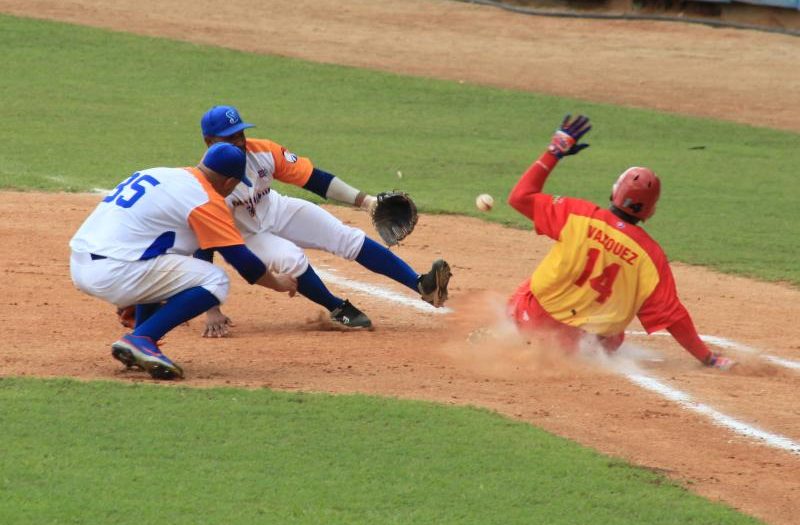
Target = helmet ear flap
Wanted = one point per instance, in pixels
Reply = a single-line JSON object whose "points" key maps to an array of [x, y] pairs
{"points": [[636, 192], [636, 207]]}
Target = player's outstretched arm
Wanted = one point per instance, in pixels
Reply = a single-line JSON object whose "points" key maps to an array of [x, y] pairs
{"points": [[685, 333], [565, 141], [253, 270], [329, 186]]}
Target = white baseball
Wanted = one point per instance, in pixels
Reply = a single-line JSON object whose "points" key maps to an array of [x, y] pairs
{"points": [[484, 202]]}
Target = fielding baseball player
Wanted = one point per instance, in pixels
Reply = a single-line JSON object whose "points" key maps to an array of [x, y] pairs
{"points": [[278, 228], [137, 246], [604, 268]]}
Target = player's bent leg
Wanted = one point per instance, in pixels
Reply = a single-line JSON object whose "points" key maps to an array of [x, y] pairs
{"points": [[126, 283], [612, 343], [182, 307], [278, 254], [189, 286], [283, 256], [156, 280], [309, 285], [532, 319], [310, 226], [379, 259], [141, 347], [342, 312], [145, 311], [432, 286]]}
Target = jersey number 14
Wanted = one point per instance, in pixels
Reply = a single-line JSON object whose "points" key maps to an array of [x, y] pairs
{"points": [[603, 283]]}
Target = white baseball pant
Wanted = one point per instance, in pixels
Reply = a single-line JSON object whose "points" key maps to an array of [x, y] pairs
{"points": [[292, 225], [125, 283]]}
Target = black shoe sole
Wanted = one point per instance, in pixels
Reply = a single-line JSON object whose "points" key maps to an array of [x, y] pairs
{"points": [[156, 371], [341, 324], [124, 356]]}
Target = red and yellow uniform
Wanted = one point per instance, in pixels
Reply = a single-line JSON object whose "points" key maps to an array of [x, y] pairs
{"points": [[601, 272]]}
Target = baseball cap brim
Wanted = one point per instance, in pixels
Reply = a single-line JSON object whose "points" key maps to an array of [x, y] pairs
{"points": [[236, 128], [246, 181]]}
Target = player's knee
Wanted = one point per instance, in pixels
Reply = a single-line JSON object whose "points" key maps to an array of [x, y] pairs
{"points": [[294, 264], [350, 243]]}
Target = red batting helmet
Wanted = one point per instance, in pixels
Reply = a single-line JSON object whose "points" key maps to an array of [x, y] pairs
{"points": [[636, 192]]}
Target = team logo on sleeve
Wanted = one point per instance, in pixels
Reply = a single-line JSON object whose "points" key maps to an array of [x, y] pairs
{"points": [[289, 156]]}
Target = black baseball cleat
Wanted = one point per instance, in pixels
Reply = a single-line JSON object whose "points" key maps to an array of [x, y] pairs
{"points": [[432, 286], [349, 316], [136, 351]]}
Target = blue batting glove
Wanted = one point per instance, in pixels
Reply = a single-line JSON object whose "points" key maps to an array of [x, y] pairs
{"points": [[565, 139]]}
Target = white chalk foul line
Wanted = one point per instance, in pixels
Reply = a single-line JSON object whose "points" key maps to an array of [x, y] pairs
{"points": [[375, 291], [722, 342], [683, 399], [641, 380], [787, 363]]}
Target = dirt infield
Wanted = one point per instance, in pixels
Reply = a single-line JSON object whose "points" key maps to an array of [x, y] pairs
{"points": [[52, 330]]}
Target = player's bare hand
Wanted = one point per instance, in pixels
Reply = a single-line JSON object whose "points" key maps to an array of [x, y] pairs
{"points": [[217, 323], [280, 282], [127, 316], [721, 362], [283, 282]]}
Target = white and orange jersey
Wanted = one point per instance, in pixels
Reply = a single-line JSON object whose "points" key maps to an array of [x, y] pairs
{"points": [[266, 161], [158, 211]]}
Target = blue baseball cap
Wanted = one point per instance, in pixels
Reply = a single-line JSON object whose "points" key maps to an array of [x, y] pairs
{"points": [[228, 160], [222, 121]]}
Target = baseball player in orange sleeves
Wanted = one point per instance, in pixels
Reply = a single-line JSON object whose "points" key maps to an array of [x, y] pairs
{"points": [[278, 228], [137, 247], [604, 268]]}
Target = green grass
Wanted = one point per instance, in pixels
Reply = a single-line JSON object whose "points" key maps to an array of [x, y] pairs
{"points": [[83, 108], [75, 452]]}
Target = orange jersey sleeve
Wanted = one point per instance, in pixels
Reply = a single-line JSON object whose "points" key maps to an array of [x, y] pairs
{"points": [[212, 222], [289, 168]]}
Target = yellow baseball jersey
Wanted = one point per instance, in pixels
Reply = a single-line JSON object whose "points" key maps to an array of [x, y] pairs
{"points": [[602, 270]]}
